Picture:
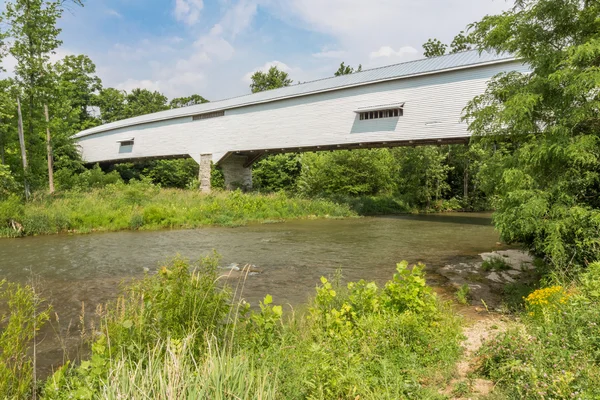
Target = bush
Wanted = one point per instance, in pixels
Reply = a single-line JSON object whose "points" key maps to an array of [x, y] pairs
{"points": [[556, 353]]}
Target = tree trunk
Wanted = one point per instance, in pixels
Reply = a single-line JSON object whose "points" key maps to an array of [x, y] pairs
{"points": [[49, 151], [466, 182], [2, 160], [23, 152]]}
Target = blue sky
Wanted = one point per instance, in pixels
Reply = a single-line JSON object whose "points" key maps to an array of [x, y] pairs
{"points": [[211, 47]]}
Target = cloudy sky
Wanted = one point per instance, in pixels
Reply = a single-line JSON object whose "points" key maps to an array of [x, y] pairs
{"points": [[211, 47]]}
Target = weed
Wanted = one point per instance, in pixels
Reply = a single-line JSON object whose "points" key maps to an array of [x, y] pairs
{"points": [[495, 264], [463, 294]]}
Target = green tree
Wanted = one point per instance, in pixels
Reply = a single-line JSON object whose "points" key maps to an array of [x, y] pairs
{"points": [[273, 79], [544, 125], [277, 172], [77, 82], [33, 36], [192, 100], [422, 176], [352, 173], [461, 42], [347, 70], [434, 48], [111, 104], [143, 101]]}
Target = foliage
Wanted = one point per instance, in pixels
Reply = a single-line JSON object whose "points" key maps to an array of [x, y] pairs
{"points": [[545, 175], [141, 205], [463, 294], [423, 174], [273, 79], [7, 182], [556, 353], [495, 264], [347, 70], [276, 172], [354, 341], [434, 48], [192, 100], [354, 173], [24, 316], [364, 341]]}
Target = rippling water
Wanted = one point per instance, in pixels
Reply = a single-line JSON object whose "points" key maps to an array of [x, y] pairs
{"points": [[293, 255]]}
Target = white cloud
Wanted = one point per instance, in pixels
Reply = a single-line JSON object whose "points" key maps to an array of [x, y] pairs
{"points": [[406, 52], [188, 11], [114, 13], [131, 84], [265, 68], [335, 54]]}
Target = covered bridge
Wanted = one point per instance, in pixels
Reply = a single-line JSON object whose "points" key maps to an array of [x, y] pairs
{"points": [[413, 103]]}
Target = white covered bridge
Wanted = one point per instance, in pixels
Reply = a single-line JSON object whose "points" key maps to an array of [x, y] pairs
{"points": [[413, 103]]}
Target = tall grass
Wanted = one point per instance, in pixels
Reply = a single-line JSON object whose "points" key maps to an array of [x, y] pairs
{"points": [[177, 334], [140, 205]]}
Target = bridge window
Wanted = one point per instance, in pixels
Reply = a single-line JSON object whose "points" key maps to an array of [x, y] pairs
{"points": [[126, 146], [208, 115], [389, 113]]}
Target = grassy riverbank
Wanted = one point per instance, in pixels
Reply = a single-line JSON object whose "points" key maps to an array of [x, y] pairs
{"points": [[177, 334], [142, 206]]}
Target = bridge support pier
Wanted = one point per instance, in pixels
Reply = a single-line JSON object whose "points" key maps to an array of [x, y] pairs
{"points": [[237, 172], [204, 176]]}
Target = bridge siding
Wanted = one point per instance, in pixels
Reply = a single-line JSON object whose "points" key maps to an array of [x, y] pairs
{"points": [[313, 120]]}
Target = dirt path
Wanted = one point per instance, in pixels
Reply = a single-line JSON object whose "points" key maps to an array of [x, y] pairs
{"points": [[479, 327]]}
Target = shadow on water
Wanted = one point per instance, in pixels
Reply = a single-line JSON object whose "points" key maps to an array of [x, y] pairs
{"points": [[448, 218]]}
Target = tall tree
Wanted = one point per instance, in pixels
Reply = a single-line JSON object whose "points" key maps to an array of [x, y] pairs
{"points": [[192, 100], [76, 80], [273, 79], [545, 126], [143, 101], [347, 70], [111, 104], [34, 37]]}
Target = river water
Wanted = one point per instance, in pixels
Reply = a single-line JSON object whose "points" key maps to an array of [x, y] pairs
{"points": [[292, 255]]}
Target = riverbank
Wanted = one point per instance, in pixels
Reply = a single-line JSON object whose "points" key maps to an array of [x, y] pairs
{"points": [[179, 334], [141, 206]]}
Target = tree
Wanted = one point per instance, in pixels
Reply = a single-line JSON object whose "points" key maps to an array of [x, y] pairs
{"points": [[111, 104], [545, 127], [461, 43], [76, 80], [33, 37], [350, 173], [273, 79], [347, 70], [434, 48], [143, 101], [192, 100], [422, 174]]}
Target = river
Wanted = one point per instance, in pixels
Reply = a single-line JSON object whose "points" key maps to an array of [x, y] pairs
{"points": [[75, 269]]}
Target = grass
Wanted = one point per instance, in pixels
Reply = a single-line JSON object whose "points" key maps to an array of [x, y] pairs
{"points": [[177, 334], [495, 264], [463, 294], [141, 206], [554, 351]]}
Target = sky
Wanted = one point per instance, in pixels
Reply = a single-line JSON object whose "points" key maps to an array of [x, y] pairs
{"points": [[212, 47]]}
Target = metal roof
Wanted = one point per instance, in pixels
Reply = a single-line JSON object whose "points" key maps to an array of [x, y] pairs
{"points": [[466, 59]]}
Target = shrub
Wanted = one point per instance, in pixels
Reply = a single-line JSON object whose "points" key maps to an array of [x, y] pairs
{"points": [[556, 353]]}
